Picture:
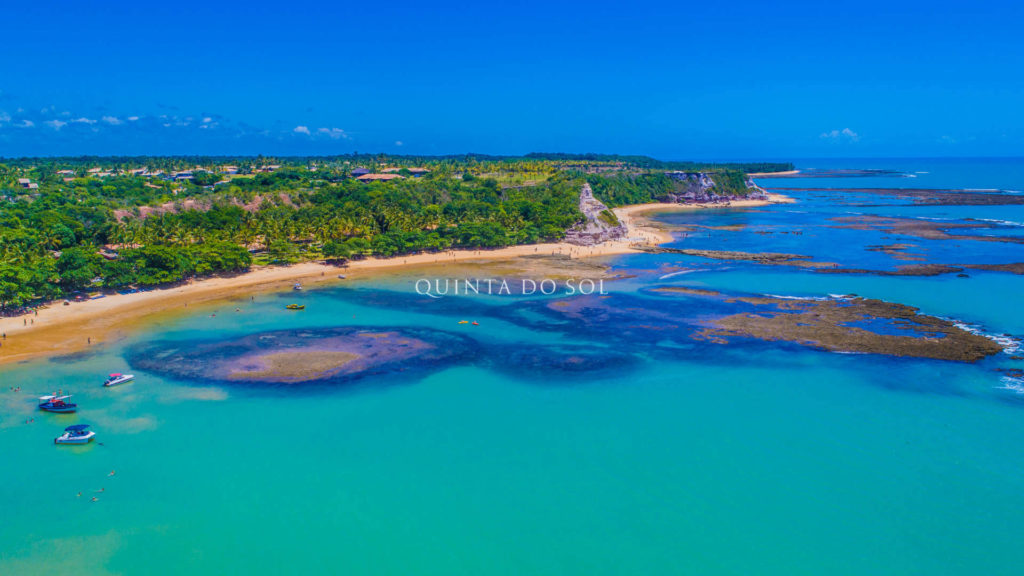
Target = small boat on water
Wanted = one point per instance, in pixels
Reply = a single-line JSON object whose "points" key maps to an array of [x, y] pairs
{"points": [[77, 434], [296, 306], [58, 405], [297, 286], [117, 379], [463, 321]]}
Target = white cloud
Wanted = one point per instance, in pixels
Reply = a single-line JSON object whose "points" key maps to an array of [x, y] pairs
{"points": [[84, 120], [55, 124], [398, 143], [301, 130], [844, 135], [333, 133], [26, 124], [133, 118], [4, 117], [207, 120], [112, 120]]}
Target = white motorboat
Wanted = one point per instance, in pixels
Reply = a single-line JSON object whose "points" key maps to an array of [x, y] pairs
{"points": [[77, 434], [117, 379]]}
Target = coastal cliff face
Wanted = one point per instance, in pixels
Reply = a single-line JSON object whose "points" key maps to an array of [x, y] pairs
{"points": [[700, 187], [600, 224]]}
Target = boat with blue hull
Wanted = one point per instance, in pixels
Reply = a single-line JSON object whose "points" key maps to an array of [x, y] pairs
{"points": [[58, 405]]}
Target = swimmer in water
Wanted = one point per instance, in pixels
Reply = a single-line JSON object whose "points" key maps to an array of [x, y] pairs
{"points": [[112, 472]]}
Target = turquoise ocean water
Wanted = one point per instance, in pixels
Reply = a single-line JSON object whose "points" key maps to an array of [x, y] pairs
{"points": [[751, 458]]}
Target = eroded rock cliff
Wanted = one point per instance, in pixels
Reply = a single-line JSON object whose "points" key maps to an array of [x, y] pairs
{"points": [[600, 223]]}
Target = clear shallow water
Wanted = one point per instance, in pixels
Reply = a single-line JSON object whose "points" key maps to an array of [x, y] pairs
{"points": [[752, 458]]}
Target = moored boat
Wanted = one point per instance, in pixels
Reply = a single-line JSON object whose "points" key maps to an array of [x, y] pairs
{"points": [[58, 405], [77, 434], [296, 306], [297, 286], [117, 378]]}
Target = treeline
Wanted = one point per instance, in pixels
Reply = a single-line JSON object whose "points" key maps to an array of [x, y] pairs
{"points": [[655, 164], [624, 189], [374, 160], [93, 233], [79, 267], [81, 233]]}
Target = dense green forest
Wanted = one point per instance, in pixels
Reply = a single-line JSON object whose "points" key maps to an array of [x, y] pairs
{"points": [[76, 224]]}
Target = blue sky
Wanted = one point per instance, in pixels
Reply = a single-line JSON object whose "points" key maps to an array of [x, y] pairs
{"points": [[670, 79]]}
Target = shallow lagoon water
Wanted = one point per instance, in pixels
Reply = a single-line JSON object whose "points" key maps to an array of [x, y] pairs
{"points": [[749, 458]]}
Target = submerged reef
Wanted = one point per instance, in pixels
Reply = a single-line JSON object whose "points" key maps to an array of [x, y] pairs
{"points": [[847, 325], [611, 334], [380, 355], [322, 355], [926, 229], [927, 196]]}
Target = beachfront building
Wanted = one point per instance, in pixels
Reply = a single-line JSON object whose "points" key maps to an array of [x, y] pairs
{"points": [[378, 177], [356, 173], [27, 184]]}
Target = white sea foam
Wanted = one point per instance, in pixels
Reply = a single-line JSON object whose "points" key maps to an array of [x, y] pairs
{"points": [[1001, 222], [808, 298], [1009, 344], [681, 272], [1013, 384]]}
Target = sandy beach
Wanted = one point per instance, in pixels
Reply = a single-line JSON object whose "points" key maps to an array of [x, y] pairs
{"points": [[773, 174], [57, 329]]}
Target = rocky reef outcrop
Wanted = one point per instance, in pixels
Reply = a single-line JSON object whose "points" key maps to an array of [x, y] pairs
{"points": [[600, 223]]}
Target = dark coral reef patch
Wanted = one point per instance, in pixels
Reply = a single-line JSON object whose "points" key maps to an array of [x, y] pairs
{"points": [[306, 356]]}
